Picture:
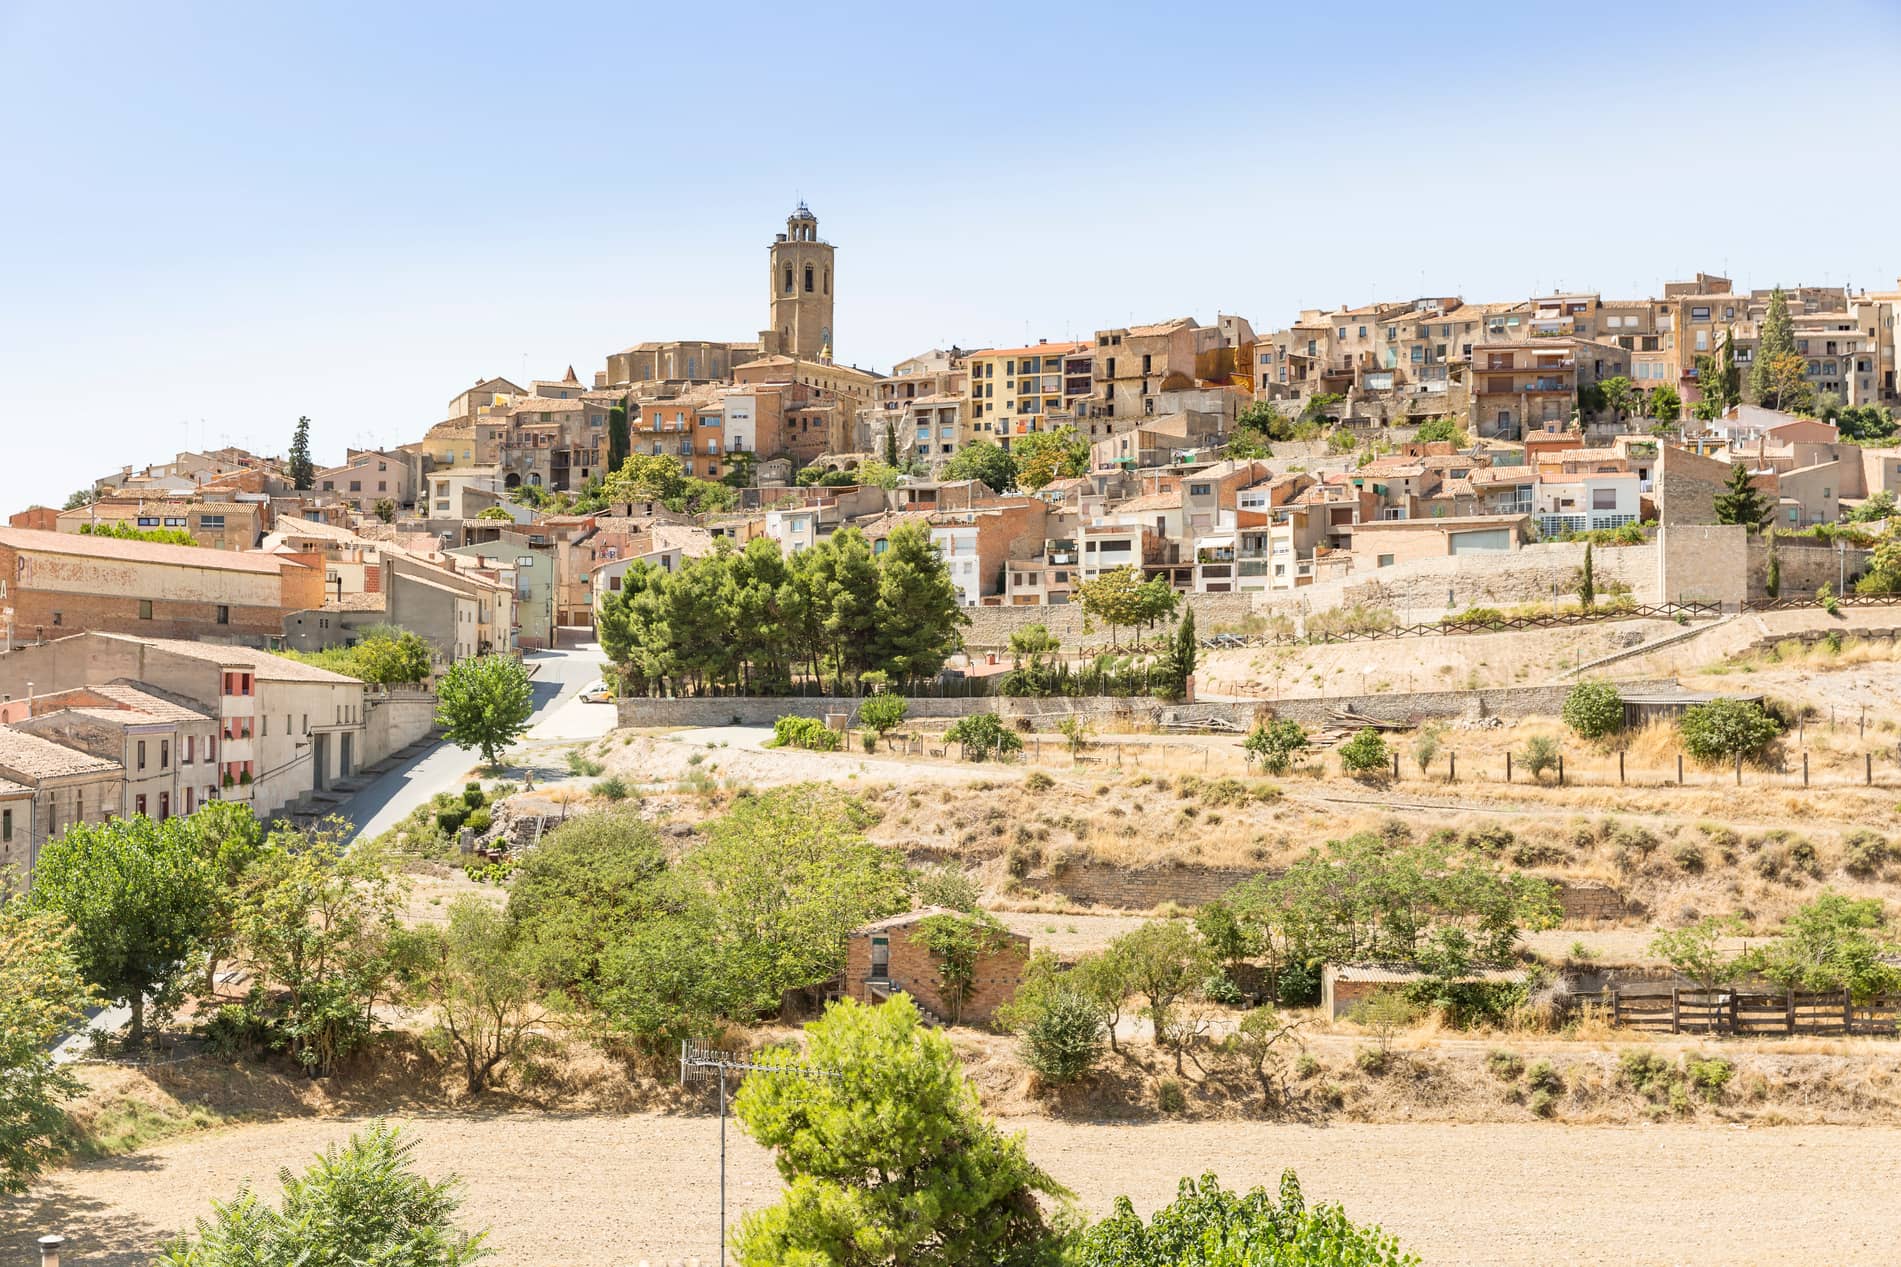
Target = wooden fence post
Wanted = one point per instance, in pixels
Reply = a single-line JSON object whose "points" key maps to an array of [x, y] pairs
{"points": [[1452, 767], [1805, 769], [1739, 769], [1848, 1011], [1679, 769], [1732, 1011], [1676, 1010], [1395, 765], [1620, 765], [1789, 1012], [1868, 768], [1508, 767], [1560, 769]]}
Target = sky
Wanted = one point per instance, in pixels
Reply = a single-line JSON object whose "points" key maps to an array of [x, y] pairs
{"points": [[217, 218]]}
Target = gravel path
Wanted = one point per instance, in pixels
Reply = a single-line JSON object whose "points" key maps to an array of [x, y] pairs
{"points": [[594, 1189]]}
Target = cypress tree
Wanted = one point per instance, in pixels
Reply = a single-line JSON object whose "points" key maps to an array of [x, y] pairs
{"points": [[1777, 339], [1587, 585], [617, 444]]}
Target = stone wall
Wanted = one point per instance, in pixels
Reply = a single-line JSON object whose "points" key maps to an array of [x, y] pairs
{"points": [[394, 721], [1129, 711], [1144, 888], [990, 627], [1805, 565], [912, 968], [1702, 563]]}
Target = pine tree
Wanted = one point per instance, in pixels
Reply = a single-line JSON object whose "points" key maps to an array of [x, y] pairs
{"points": [[1739, 502], [1776, 340], [302, 473], [617, 443]]}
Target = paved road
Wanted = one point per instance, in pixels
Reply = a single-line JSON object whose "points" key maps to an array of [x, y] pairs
{"points": [[559, 716]]}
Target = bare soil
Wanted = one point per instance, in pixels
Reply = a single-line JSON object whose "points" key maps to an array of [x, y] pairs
{"points": [[604, 1189]]}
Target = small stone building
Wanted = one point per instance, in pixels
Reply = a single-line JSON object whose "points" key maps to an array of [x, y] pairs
{"points": [[881, 959]]}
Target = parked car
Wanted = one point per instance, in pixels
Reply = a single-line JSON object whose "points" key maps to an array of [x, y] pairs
{"points": [[597, 693]]}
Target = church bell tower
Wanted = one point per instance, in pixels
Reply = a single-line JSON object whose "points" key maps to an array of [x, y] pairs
{"points": [[799, 292]]}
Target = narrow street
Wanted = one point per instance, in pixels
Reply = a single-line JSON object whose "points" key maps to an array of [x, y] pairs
{"points": [[559, 717]]}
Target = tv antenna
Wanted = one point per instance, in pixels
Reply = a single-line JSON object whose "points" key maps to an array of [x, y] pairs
{"points": [[699, 1064]]}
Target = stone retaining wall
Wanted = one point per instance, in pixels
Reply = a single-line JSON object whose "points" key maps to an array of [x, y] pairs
{"points": [[1144, 888]]}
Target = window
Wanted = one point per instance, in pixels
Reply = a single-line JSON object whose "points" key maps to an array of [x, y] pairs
{"points": [[164, 754], [210, 521], [808, 279], [145, 609], [1603, 499], [1385, 560], [6, 826], [356, 486], [138, 805], [164, 806], [191, 799], [141, 763], [188, 754], [224, 614]]}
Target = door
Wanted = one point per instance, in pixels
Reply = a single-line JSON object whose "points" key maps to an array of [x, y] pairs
{"points": [[319, 761], [880, 958], [343, 756]]}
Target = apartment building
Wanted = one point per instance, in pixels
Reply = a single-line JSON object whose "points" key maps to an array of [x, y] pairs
{"points": [[166, 748], [56, 583], [1014, 392], [46, 787], [369, 476], [1134, 363], [216, 524], [284, 728], [921, 406]]}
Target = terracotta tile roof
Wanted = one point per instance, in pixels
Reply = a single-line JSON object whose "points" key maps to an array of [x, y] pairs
{"points": [[1149, 501], [1039, 349], [10, 791], [73, 543], [152, 705], [1161, 327], [39, 758]]}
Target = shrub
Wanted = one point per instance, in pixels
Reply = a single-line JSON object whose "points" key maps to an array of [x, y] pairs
{"points": [[1865, 853], [1365, 754], [1709, 1074], [583, 766], [611, 788], [802, 732], [480, 820], [1169, 1096], [1726, 728], [1426, 745], [1063, 1041], [1688, 855], [472, 796], [1037, 781], [450, 820], [1505, 1065], [1306, 1065], [1543, 1103], [981, 736], [869, 740], [1219, 988], [1540, 755], [882, 713], [1372, 1059], [1274, 744], [1594, 710], [947, 886], [1493, 838]]}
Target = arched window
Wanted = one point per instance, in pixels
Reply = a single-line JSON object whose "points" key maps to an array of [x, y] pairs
{"points": [[788, 279], [808, 279], [828, 282]]}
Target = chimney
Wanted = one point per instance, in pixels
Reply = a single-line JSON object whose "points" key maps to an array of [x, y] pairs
{"points": [[49, 1250]]}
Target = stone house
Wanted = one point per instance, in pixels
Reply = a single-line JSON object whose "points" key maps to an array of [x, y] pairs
{"points": [[62, 786], [168, 750], [886, 957], [214, 524]]}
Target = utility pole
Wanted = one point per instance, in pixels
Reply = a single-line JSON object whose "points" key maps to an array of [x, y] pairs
{"points": [[701, 1063]]}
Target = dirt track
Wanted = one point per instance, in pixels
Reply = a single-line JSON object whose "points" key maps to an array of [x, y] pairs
{"points": [[594, 1189]]}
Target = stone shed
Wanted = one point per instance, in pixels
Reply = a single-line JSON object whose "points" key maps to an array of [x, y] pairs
{"points": [[1344, 986], [886, 957]]}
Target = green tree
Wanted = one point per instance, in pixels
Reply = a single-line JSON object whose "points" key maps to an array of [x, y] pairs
{"points": [[1877, 509], [1206, 1226], [1435, 430], [1772, 569], [385, 510], [981, 736], [882, 714], [300, 470], [1665, 404], [891, 454], [1739, 502], [1114, 596], [1698, 951], [42, 996], [393, 659], [1265, 419], [1775, 338], [1043, 456], [1365, 753], [1620, 394], [984, 460], [1178, 659], [484, 703], [79, 497], [916, 614], [1717, 378], [618, 437], [645, 477], [1833, 942], [360, 1203], [1594, 710], [139, 896], [1166, 962], [959, 942], [582, 892], [230, 838], [321, 926], [1725, 728], [1275, 743], [889, 1160], [1062, 1039], [1587, 581], [127, 532], [480, 978]]}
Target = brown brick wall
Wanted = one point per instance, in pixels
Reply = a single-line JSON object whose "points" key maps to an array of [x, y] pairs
{"points": [[913, 970], [34, 614]]}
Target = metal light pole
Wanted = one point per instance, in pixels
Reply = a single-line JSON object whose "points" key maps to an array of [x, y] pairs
{"points": [[699, 1063]]}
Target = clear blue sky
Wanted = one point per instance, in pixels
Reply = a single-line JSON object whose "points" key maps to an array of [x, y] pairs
{"points": [[220, 217]]}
